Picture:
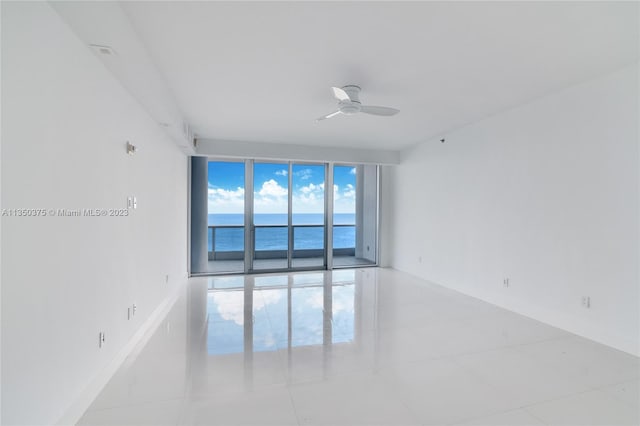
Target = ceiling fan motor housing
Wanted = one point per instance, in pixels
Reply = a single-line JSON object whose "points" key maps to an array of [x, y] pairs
{"points": [[353, 105]]}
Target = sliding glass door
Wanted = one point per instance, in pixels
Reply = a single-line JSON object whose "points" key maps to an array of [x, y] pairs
{"points": [[263, 216], [270, 226], [288, 216], [355, 215], [308, 218]]}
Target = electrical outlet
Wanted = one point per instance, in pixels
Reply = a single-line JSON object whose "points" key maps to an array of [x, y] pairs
{"points": [[586, 302], [505, 282], [101, 339], [133, 309]]}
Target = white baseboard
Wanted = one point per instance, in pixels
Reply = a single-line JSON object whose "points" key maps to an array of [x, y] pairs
{"points": [[138, 340]]}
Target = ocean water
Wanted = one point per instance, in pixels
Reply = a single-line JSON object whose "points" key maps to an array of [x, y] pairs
{"points": [[276, 237]]}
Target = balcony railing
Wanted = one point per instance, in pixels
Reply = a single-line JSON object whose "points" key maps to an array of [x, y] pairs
{"points": [[226, 242]]}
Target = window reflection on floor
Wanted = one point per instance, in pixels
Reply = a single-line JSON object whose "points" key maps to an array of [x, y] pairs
{"points": [[236, 281], [307, 305], [272, 312], [343, 313]]}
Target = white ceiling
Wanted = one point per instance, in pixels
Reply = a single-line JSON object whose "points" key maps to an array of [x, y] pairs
{"points": [[261, 72]]}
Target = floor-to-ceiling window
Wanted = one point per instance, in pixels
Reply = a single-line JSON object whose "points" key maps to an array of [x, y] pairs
{"points": [[355, 215], [275, 216], [307, 206], [225, 216], [270, 216], [344, 214]]}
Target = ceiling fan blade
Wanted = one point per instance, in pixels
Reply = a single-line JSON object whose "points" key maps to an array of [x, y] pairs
{"points": [[378, 110], [340, 94], [328, 116]]}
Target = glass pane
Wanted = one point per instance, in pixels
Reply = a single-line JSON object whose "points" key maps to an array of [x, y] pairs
{"points": [[226, 216], [355, 198], [344, 237], [270, 215], [308, 215]]}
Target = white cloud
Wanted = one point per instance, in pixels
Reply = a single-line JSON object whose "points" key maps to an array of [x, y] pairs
{"points": [[271, 198], [304, 174], [352, 171], [271, 188], [349, 192], [282, 173], [226, 194], [225, 200], [311, 188], [344, 201], [309, 199]]}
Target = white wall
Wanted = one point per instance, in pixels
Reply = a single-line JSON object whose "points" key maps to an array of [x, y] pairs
{"points": [[65, 122], [546, 194]]}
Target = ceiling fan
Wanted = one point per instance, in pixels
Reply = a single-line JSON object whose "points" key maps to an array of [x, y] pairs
{"points": [[349, 103]]}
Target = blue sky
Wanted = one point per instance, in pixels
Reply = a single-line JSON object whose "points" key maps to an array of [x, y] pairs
{"points": [[226, 188]]}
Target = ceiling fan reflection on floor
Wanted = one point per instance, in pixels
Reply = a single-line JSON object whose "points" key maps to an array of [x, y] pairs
{"points": [[349, 103]]}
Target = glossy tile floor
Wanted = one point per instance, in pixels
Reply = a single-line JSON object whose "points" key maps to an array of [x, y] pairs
{"points": [[361, 347]]}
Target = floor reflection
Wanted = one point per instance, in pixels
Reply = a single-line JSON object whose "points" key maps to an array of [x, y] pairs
{"points": [[263, 330], [272, 312], [367, 346]]}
